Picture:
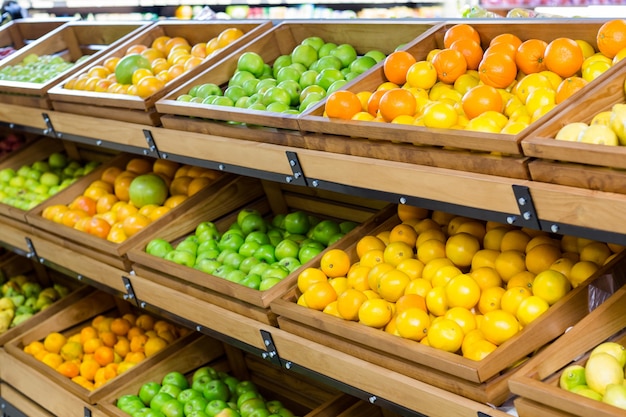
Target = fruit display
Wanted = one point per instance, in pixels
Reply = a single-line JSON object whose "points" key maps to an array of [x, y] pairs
{"points": [[453, 283], [601, 377], [205, 392], [292, 82], [254, 251], [105, 347], [126, 199], [145, 69], [501, 87], [30, 185], [22, 297], [11, 142], [37, 68]]}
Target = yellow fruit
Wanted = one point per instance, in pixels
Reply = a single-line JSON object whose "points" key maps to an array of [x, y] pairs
{"points": [[375, 313], [530, 309], [614, 349], [551, 285], [603, 369], [462, 291], [445, 334], [412, 324], [498, 326]]}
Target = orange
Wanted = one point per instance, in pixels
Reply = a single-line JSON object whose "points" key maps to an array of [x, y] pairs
{"points": [[375, 313], [426, 235], [480, 99], [396, 65], [412, 267], [88, 369], [108, 338], [310, 276], [563, 265], [180, 185], [396, 102], [568, 87], [521, 279], [596, 252], [335, 263], [580, 271], [373, 102], [392, 284], [498, 326], [460, 249], [145, 322], [512, 298], [367, 243], [436, 301], [530, 56], [463, 317], [86, 204], [138, 342], [462, 291], [349, 302], [444, 274], [103, 355], [455, 223], [506, 38], [105, 203], [412, 323], [471, 50], [418, 286], [514, 240], [474, 228], [88, 332], [406, 212], [479, 350], [541, 257], [319, 295], [154, 345], [371, 258], [493, 238], [134, 223], [139, 166], [432, 266], [228, 36], [396, 252], [54, 341], [501, 48], [69, 369], [450, 64], [431, 249], [340, 284], [135, 49], [486, 277], [490, 299], [132, 357], [445, 334], [411, 300], [122, 347], [122, 183], [551, 285], [611, 37], [485, 258], [72, 350], [357, 277], [376, 272], [460, 31], [563, 56], [498, 71], [135, 331], [343, 104], [197, 184], [149, 85]]}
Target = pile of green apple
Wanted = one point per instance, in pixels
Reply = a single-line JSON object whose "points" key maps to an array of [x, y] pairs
{"points": [[292, 83], [254, 251], [30, 185], [37, 69], [23, 297], [209, 394]]}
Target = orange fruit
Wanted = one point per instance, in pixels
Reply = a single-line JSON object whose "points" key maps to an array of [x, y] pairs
{"points": [[396, 102], [335, 263], [228, 35], [530, 56], [521, 279], [509, 263], [392, 284], [343, 104], [490, 299], [69, 369], [463, 317], [501, 48], [450, 64], [563, 56], [462, 291], [596, 252], [541, 257], [568, 87], [357, 277], [145, 322], [498, 326], [54, 341], [88, 369], [471, 50], [486, 277], [367, 243], [406, 212], [396, 65], [103, 355], [431, 249], [375, 313], [319, 295], [480, 99], [611, 37], [551, 285], [396, 252], [530, 309], [154, 345], [514, 240], [460, 31], [479, 350], [498, 71], [349, 302], [461, 248], [436, 301], [485, 258], [310, 276], [506, 38]]}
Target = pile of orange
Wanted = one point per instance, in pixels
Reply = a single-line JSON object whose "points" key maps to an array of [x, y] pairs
{"points": [[498, 87], [169, 57], [454, 283], [105, 348], [104, 210]]}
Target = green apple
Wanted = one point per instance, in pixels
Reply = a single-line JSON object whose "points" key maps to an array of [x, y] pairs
{"points": [[248, 263], [235, 276], [187, 394], [216, 389], [223, 270], [148, 391], [275, 270], [258, 236], [171, 389], [208, 266], [233, 259], [195, 404], [231, 241], [159, 247], [173, 408], [204, 370], [159, 399], [324, 230], [286, 248], [248, 248], [291, 263], [188, 245], [297, 222], [251, 281], [215, 406], [253, 222], [266, 254], [181, 257]]}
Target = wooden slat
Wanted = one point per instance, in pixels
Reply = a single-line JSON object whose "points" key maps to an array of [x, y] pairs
{"points": [[597, 178], [23, 404]]}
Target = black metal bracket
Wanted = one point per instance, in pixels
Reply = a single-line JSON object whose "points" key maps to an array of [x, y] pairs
{"points": [[22, 128], [32, 253], [298, 177], [152, 148], [528, 215], [9, 410], [271, 354], [130, 292], [49, 127], [481, 414], [86, 412]]}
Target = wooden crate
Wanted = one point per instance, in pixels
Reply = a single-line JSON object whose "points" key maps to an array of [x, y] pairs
{"points": [[483, 381], [40, 150], [141, 110], [69, 321], [383, 36], [70, 41], [18, 265], [18, 401], [583, 165], [301, 395], [21, 32], [214, 200], [235, 297], [458, 149], [537, 386]]}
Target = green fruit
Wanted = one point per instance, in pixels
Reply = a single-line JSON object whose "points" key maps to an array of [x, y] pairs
{"points": [[572, 376], [148, 189], [128, 65]]}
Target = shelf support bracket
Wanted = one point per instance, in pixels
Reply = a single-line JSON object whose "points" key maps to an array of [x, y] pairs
{"points": [[130, 292], [298, 177], [32, 253], [49, 130], [271, 354], [86, 412], [9, 410], [152, 148], [527, 210]]}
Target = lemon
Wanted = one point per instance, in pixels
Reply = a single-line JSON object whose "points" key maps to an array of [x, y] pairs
{"points": [[615, 395], [599, 134], [601, 370], [614, 349], [585, 391]]}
